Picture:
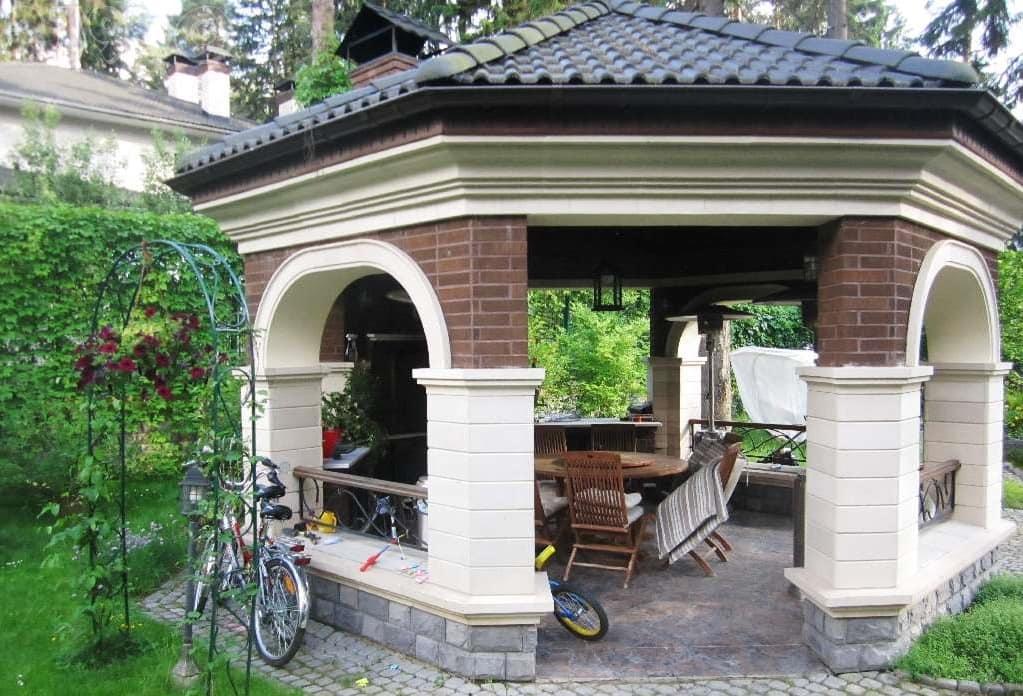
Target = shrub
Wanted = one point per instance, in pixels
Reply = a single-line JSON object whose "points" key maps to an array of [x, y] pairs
{"points": [[982, 644]]}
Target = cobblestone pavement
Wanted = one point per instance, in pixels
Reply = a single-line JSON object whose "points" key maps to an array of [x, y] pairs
{"points": [[334, 663]]}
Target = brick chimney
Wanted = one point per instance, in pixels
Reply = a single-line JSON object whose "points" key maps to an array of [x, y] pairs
{"points": [[214, 81], [182, 80], [387, 64]]}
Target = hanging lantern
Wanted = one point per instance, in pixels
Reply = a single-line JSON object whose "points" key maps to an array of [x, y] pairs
{"points": [[194, 488], [607, 290]]}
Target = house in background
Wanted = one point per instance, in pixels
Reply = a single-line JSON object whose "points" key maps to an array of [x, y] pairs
{"points": [[196, 105]]}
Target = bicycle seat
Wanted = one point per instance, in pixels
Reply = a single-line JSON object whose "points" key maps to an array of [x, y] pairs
{"points": [[276, 512], [271, 492]]}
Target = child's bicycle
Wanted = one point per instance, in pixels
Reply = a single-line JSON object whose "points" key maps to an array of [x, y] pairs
{"points": [[582, 616]]}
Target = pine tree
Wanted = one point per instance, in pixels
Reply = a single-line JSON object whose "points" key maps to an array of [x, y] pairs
{"points": [[29, 30], [200, 23], [108, 28]]}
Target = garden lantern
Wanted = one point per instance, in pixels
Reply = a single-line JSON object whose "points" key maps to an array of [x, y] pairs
{"points": [[607, 289], [194, 488]]}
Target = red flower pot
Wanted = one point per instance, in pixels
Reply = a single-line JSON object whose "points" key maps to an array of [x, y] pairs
{"points": [[330, 440]]}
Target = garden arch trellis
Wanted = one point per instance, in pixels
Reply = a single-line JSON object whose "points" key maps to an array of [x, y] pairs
{"points": [[176, 267]]}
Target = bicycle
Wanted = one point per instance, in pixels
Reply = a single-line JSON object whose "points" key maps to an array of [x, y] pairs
{"points": [[282, 589], [581, 616]]}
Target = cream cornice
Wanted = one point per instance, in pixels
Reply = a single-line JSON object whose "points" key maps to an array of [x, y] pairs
{"points": [[633, 180]]}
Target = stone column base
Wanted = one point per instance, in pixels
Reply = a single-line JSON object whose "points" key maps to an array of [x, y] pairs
{"points": [[851, 643], [477, 651]]}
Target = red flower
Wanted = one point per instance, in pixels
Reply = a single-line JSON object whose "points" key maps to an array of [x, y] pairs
{"points": [[162, 360], [150, 312], [107, 333], [84, 363], [109, 347], [140, 349], [197, 373], [125, 364], [164, 391]]}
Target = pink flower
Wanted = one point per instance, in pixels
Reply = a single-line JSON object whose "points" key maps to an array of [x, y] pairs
{"points": [[197, 373], [107, 333], [162, 360], [109, 347], [164, 391], [84, 363], [140, 349], [150, 311]]}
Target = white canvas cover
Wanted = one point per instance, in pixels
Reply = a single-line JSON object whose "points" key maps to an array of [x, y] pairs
{"points": [[769, 387]]}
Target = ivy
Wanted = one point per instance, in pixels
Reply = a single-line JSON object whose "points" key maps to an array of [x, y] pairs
{"points": [[54, 258]]}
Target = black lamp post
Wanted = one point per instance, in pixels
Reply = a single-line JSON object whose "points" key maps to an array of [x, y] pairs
{"points": [[194, 487]]}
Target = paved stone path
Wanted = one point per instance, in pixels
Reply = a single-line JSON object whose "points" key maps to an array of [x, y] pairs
{"points": [[334, 663]]}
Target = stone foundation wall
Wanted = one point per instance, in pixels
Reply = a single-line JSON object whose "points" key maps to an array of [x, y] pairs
{"points": [[476, 652], [858, 644]]}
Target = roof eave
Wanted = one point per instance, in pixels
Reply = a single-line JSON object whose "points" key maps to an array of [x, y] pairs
{"points": [[979, 105]]}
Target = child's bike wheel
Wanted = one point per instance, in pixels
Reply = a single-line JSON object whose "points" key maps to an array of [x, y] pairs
{"points": [[580, 615]]}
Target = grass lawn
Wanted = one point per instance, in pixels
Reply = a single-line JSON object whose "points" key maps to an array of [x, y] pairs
{"points": [[1012, 494], [38, 605], [984, 644]]}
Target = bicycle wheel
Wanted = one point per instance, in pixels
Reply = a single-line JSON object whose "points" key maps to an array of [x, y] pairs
{"points": [[204, 575], [581, 616], [278, 623]]}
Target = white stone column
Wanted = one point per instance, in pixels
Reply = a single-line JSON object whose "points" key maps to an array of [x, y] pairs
{"points": [[963, 420], [677, 397], [480, 465], [288, 425], [863, 456]]}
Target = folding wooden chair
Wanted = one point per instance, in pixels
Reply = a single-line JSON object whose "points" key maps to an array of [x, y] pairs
{"points": [[547, 508], [603, 517]]}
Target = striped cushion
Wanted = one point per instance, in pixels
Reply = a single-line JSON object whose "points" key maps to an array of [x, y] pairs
{"points": [[690, 513]]}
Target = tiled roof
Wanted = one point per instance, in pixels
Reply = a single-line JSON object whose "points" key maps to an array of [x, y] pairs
{"points": [[83, 89], [621, 42]]}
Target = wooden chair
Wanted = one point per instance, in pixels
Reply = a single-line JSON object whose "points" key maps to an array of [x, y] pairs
{"points": [[727, 474], [549, 440], [547, 509], [603, 517], [615, 438]]}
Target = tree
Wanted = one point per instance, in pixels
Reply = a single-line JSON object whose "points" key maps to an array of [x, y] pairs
{"points": [[200, 23], [29, 29], [270, 40], [838, 19], [108, 28], [322, 25]]}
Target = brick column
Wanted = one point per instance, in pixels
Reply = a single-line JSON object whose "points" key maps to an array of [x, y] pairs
{"points": [[677, 397], [963, 420]]}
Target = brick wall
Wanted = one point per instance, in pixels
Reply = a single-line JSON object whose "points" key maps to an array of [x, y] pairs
{"points": [[476, 265], [868, 268], [381, 67]]}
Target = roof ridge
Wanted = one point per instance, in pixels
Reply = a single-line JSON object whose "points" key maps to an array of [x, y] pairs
{"points": [[852, 50], [462, 57]]}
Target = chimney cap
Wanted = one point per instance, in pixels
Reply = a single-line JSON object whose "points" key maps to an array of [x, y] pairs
{"points": [[376, 31], [178, 57], [211, 52], [285, 85]]}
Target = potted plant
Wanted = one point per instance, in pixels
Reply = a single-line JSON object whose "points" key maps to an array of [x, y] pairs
{"points": [[332, 417]]}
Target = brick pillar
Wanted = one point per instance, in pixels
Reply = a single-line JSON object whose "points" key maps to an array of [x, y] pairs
{"points": [[963, 420]]}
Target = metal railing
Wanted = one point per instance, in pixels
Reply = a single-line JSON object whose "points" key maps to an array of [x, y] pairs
{"points": [[937, 491], [369, 506], [767, 443]]}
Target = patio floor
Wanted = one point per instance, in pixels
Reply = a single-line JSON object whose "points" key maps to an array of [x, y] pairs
{"points": [[677, 622]]}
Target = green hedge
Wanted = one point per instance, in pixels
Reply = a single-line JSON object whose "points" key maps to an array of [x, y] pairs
{"points": [[53, 259]]}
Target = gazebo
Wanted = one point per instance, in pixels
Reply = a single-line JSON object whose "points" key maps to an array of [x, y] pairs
{"points": [[706, 158]]}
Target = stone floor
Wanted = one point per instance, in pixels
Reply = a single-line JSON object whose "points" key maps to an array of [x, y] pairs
{"points": [[337, 663], [677, 621]]}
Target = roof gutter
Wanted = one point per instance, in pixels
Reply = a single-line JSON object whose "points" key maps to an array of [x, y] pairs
{"points": [[977, 105]]}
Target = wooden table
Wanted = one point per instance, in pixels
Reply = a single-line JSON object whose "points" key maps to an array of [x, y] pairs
{"points": [[635, 465]]}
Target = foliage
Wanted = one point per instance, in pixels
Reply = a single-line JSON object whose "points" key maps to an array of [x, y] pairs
{"points": [[81, 172], [1001, 587], [109, 28], [38, 638], [332, 410], [772, 326], [596, 363], [28, 30], [54, 258], [324, 77], [980, 645], [1010, 299], [358, 409], [1012, 494], [270, 40]]}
